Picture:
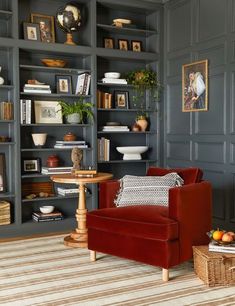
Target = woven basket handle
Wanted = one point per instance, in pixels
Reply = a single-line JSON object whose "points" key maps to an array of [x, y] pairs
{"points": [[224, 258], [231, 268]]}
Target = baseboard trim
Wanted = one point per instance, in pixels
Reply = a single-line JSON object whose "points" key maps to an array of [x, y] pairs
{"points": [[33, 236]]}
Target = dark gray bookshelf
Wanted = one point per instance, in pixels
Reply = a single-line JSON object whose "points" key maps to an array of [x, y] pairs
{"points": [[21, 60]]}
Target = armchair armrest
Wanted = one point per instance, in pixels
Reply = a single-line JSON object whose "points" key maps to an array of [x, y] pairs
{"points": [[107, 193], [191, 206]]}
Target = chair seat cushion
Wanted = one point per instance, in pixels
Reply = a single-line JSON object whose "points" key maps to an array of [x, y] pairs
{"points": [[147, 221]]}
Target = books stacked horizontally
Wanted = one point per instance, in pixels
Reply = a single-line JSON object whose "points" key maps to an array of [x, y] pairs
{"points": [[114, 81], [103, 149], [83, 84], [60, 144], [226, 248], [63, 191], [115, 128], [25, 111], [85, 172], [53, 216], [56, 170], [37, 88]]}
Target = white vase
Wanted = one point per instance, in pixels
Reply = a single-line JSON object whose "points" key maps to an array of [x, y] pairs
{"points": [[73, 118], [39, 139], [1, 78]]}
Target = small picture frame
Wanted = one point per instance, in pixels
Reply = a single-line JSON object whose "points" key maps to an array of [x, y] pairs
{"points": [[123, 44], [31, 31], [46, 27], [121, 99], [64, 84], [108, 43], [31, 165], [48, 112], [136, 45], [2, 173]]}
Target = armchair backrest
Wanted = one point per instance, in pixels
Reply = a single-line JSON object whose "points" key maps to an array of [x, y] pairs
{"points": [[189, 175]]}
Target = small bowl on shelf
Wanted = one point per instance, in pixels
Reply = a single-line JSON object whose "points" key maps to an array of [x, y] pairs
{"points": [[46, 209], [57, 63], [112, 75]]}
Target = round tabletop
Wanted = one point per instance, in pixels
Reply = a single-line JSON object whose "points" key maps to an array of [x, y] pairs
{"points": [[72, 179]]}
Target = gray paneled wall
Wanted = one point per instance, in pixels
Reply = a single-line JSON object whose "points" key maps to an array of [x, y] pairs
{"points": [[197, 30]]}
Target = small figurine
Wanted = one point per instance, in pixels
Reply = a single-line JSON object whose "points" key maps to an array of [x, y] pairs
{"points": [[76, 157]]}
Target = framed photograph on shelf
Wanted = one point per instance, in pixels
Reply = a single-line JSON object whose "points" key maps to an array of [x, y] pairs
{"points": [[47, 112], [121, 99], [31, 31], [46, 27], [195, 86], [64, 84], [2, 173], [123, 44], [108, 43], [136, 45], [31, 165]]}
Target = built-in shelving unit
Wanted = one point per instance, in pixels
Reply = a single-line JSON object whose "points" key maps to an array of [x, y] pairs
{"points": [[21, 60]]}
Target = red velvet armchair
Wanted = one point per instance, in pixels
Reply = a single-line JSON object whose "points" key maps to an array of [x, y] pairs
{"points": [[156, 235]]}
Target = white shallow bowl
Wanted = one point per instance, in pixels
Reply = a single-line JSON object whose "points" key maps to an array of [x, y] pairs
{"points": [[46, 209], [112, 75], [132, 153]]}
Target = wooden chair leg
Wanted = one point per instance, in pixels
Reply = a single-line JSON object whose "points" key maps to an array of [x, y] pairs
{"points": [[92, 255], [165, 275]]}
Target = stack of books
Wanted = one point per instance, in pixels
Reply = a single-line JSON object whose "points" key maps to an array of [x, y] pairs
{"points": [[114, 81], [85, 172], [83, 84], [115, 128], [226, 248], [104, 99], [6, 110], [25, 111], [63, 191], [37, 88], [103, 149], [53, 216], [56, 170], [60, 144]]}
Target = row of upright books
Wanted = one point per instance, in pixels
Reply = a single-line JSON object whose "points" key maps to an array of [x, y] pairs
{"points": [[6, 110], [25, 111], [104, 99], [60, 144], [103, 149], [83, 84]]}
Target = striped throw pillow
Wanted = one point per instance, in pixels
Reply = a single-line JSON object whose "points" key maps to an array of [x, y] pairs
{"points": [[146, 190]]}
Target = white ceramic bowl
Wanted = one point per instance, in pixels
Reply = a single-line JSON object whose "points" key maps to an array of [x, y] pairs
{"points": [[46, 209], [132, 153], [39, 139], [112, 75]]}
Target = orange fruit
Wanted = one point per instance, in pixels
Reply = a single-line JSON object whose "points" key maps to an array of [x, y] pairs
{"points": [[217, 235]]}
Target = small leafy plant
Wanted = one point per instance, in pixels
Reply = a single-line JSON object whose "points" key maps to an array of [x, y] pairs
{"points": [[84, 109]]}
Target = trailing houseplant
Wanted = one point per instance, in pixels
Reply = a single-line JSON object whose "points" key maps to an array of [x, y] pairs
{"points": [[77, 111]]}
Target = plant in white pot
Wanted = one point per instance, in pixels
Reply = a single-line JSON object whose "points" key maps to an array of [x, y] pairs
{"points": [[76, 112]]}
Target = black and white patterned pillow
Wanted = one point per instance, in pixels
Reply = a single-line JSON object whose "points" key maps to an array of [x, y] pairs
{"points": [[146, 190]]}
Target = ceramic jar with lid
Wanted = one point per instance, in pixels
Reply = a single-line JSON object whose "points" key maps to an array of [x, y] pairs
{"points": [[53, 161], [69, 137]]}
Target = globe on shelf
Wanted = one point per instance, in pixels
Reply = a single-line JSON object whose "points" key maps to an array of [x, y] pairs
{"points": [[69, 18]]}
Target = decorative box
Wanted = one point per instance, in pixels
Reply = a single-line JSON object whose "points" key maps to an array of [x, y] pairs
{"points": [[5, 213], [214, 268]]}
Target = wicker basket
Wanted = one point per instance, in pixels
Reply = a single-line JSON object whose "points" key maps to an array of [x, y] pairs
{"points": [[5, 214], [215, 269]]}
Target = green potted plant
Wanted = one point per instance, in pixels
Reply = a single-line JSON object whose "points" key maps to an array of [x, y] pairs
{"points": [[77, 111]]}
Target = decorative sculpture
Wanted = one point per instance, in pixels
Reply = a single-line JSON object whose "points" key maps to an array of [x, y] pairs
{"points": [[76, 157]]}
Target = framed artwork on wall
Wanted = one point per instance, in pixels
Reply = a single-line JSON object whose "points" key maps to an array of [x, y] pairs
{"points": [[64, 84], [31, 31], [31, 165], [195, 86], [47, 112], [46, 27], [2, 172], [121, 99]]}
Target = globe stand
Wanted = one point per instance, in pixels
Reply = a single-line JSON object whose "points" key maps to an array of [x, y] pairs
{"points": [[69, 40]]}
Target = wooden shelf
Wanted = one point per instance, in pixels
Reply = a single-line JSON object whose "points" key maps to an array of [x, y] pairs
{"points": [[7, 195], [58, 197], [126, 30], [6, 121], [114, 85], [130, 132], [7, 87], [7, 143], [54, 69], [56, 124], [125, 110], [51, 149], [120, 161], [54, 95]]}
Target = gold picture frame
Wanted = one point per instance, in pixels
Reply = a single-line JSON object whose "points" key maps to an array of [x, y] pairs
{"points": [[46, 27], [195, 86], [47, 112]]}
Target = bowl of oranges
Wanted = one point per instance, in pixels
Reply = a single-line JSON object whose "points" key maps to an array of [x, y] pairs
{"points": [[222, 237]]}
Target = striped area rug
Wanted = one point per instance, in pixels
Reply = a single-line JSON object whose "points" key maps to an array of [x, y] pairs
{"points": [[43, 271]]}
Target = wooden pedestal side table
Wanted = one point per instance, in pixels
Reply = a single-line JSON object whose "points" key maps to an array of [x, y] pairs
{"points": [[78, 238]]}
